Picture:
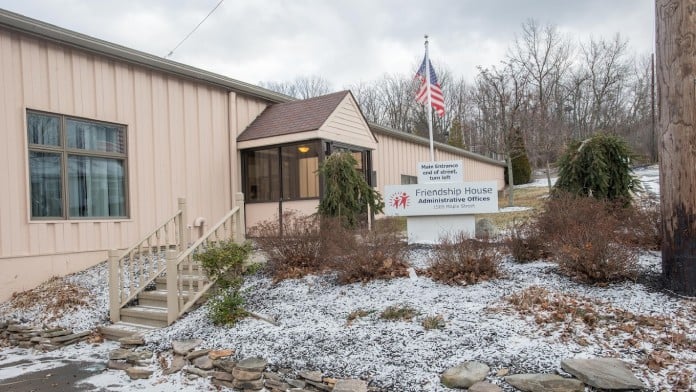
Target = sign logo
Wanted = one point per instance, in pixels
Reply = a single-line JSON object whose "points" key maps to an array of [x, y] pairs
{"points": [[399, 200]]}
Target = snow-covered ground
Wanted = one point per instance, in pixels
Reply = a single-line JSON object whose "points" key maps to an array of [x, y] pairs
{"points": [[480, 324]]}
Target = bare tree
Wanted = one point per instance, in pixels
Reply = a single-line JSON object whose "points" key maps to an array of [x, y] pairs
{"points": [[302, 87]]}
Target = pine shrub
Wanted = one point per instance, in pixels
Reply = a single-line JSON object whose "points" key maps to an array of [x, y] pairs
{"points": [[598, 167]]}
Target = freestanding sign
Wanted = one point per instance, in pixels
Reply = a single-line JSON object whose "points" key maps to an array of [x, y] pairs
{"points": [[441, 203]]}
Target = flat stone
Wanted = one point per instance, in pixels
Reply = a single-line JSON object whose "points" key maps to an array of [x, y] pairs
{"points": [[545, 383], [252, 364], [315, 376], [222, 383], [183, 347], [275, 384], [217, 354], [17, 328], [273, 376], [320, 386], [178, 363], [464, 375], [225, 364], [120, 353], [137, 356], [196, 354], [203, 362], [602, 373], [134, 340], [198, 372], [73, 336], [350, 385], [222, 376], [502, 372], [297, 383], [245, 375], [25, 345], [54, 334], [118, 365], [254, 385], [483, 386], [136, 373]]}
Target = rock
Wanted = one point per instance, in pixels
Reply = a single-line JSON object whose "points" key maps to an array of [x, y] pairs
{"points": [[351, 385], [464, 375], [222, 376], [198, 372], [502, 372], [315, 376], [275, 384], [485, 228], [272, 376], [118, 365], [483, 386], [130, 341], [55, 333], [136, 373], [17, 328], [25, 345], [222, 383], [245, 375], [545, 383], [119, 353], [252, 364], [254, 385], [204, 363], [183, 347], [217, 354], [297, 383], [225, 364], [137, 356], [602, 373], [320, 386], [71, 337], [178, 363], [195, 354]]}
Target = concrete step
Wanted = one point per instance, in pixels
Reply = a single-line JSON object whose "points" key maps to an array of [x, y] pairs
{"points": [[121, 329], [150, 316], [157, 298]]}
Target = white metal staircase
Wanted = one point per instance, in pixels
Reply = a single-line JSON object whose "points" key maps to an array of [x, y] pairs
{"points": [[154, 282]]}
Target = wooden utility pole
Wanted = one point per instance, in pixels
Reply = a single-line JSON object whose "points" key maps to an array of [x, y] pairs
{"points": [[675, 48]]}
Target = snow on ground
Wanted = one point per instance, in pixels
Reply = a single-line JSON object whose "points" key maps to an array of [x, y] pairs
{"points": [[481, 324]]}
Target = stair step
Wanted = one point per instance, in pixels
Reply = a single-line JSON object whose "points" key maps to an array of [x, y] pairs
{"points": [[122, 329], [157, 298], [151, 316]]}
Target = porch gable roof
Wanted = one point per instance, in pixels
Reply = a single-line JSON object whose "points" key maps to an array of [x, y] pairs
{"points": [[293, 117]]}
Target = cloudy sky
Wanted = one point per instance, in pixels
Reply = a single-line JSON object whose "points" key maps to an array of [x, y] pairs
{"points": [[345, 42]]}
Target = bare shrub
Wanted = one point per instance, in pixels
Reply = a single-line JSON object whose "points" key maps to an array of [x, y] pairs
{"points": [[641, 223], [459, 259], [525, 242], [293, 248], [587, 240], [376, 254]]}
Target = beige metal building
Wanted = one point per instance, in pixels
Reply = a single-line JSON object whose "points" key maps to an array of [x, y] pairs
{"points": [[100, 141]]}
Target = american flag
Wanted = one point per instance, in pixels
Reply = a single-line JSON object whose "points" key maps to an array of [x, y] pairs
{"points": [[436, 98]]}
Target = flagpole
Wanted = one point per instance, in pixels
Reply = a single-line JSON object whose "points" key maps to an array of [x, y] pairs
{"points": [[430, 100]]}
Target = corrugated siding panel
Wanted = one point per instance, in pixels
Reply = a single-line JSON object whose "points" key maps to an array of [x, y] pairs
{"points": [[395, 157], [178, 142], [347, 125]]}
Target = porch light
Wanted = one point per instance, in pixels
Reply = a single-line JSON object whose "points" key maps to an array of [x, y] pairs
{"points": [[303, 149]]}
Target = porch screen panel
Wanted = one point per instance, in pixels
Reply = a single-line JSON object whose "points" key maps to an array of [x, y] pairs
{"points": [[263, 175]]}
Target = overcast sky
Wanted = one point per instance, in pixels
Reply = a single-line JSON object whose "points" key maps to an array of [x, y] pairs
{"points": [[345, 42]]}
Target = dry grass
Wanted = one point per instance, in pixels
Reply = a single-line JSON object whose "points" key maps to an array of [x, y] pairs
{"points": [[532, 197]]}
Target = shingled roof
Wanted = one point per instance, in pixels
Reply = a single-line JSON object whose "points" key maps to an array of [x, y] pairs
{"points": [[291, 117]]}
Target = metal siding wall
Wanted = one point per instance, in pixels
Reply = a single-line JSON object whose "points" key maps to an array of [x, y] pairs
{"points": [[177, 141], [395, 157]]}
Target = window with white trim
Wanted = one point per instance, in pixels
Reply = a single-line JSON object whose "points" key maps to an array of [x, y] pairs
{"points": [[77, 167]]}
